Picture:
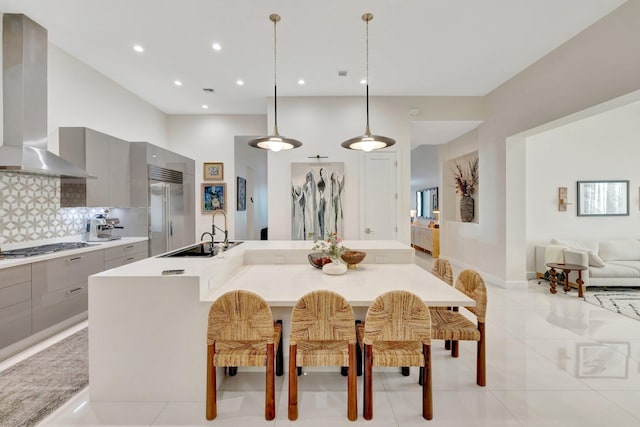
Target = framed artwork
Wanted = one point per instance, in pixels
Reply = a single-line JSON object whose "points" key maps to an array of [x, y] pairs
{"points": [[603, 198], [213, 171], [242, 194], [214, 197], [603, 360], [317, 193]]}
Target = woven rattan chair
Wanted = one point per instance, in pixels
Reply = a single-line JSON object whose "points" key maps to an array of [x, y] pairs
{"points": [[442, 269], [241, 332], [322, 333], [397, 332], [452, 325]]}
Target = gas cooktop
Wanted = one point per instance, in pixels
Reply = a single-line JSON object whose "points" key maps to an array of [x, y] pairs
{"points": [[44, 249]]}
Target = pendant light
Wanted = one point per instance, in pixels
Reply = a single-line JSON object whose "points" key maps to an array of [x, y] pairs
{"points": [[368, 142], [275, 142]]}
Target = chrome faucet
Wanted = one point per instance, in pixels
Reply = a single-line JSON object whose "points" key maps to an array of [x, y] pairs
{"points": [[213, 227]]}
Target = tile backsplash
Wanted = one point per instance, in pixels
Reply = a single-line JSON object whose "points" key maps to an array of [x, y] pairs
{"points": [[30, 209]]}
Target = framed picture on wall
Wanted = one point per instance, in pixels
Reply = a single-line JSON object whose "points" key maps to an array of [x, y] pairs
{"points": [[214, 197], [213, 171], [242, 194]]}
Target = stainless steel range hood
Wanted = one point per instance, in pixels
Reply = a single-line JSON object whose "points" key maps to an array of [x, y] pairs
{"points": [[24, 83]]}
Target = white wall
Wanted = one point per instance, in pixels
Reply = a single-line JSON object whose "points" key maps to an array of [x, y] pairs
{"points": [[323, 123], [251, 164], [603, 147], [597, 65], [80, 96], [210, 138]]}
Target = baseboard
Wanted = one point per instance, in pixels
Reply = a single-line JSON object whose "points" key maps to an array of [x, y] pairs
{"points": [[31, 340], [490, 278]]}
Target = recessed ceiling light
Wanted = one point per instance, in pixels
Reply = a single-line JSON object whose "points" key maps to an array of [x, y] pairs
{"points": [[205, 106], [363, 82], [239, 82], [300, 82], [216, 46], [138, 48], [177, 83]]}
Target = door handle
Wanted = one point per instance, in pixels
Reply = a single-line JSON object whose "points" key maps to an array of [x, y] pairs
{"points": [[171, 228], [368, 230]]}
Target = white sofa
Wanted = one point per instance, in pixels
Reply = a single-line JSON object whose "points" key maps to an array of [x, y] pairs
{"points": [[611, 262]]}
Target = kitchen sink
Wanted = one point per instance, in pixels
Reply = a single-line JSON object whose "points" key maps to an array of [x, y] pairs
{"points": [[200, 250]]}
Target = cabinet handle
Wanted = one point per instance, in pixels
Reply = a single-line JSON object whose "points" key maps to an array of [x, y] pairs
{"points": [[73, 259], [70, 291], [129, 247], [130, 259]]}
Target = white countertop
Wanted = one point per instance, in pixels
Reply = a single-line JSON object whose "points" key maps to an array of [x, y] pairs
{"points": [[282, 286], [280, 273], [12, 262]]}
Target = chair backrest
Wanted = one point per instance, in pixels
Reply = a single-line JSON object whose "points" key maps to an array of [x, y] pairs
{"points": [[240, 316], [397, 316], [442, 269], [470, 283], [322, 316]]}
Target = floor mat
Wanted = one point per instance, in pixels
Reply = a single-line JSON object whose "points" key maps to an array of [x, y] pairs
{"points": [[623, 301], [32, 389]]}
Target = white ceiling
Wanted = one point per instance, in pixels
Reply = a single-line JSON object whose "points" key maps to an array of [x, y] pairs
{"points": [[439, 132], [416, 47]]}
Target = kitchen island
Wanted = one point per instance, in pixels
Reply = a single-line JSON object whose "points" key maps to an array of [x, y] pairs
{"points": [[147, 334]]}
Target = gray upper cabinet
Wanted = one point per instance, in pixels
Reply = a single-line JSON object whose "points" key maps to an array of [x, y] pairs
{"points": [[101, 155]]}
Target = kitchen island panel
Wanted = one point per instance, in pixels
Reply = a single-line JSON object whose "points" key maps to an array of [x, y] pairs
{"points": [[147, 339]]}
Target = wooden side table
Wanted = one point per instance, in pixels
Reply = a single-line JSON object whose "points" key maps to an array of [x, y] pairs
{"points": [[566, 269]]}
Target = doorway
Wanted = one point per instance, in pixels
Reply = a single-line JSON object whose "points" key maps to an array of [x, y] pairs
{"points": [[379, 197]]}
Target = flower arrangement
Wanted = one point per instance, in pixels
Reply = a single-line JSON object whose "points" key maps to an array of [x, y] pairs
{"points": [[331, 246], [466, 182]]}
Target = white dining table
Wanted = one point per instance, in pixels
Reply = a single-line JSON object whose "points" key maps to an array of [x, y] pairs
{"points": [[282, 286]]}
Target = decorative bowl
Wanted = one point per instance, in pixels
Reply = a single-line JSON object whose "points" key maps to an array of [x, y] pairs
{"points": [[317, 260], [353, 258]]}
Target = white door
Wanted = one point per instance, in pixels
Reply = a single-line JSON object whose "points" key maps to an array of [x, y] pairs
{"points": [[380, 197]]}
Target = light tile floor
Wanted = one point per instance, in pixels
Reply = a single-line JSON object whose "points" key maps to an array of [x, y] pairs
{"points": [[552, 360]]}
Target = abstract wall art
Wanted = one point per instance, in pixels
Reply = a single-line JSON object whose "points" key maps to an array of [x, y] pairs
{"points": [[317, 192]]}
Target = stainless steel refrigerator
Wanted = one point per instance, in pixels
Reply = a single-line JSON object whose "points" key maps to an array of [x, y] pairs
{"points": [[167, 229]]}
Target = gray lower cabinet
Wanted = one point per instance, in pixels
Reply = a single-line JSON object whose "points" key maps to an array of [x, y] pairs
{"points": [[15, 304], [59, 287], [125, 254]]}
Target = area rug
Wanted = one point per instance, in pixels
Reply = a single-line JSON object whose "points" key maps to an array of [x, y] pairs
{"points": [[623, 301], [32, 389]]}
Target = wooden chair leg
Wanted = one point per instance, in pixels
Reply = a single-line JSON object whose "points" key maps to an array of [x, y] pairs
{"points": [[233, 371], [358, 351], [352, 390], [368, 383], [481, 361], [427, 400], [454, 349], [405, 371], [270, 386], [212, 410], [293, 383], [280, 354], [421, 376], [447, 345]]}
